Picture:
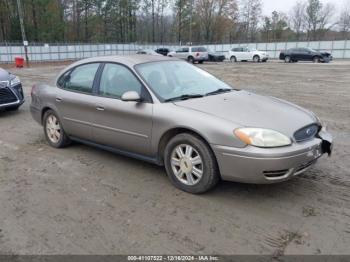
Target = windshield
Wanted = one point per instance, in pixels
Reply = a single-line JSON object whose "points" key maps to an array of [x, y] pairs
{"points": [[172, 79]]}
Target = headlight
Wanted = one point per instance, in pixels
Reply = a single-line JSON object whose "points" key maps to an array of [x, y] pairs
{"points": [[4, 83], [262, 137], [15, 81]]}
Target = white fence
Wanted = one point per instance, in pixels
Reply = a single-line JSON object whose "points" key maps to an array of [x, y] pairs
{"points": [[61, 52]]}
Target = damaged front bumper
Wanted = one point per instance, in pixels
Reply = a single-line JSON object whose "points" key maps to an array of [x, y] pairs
{"points": [[271, 165]]}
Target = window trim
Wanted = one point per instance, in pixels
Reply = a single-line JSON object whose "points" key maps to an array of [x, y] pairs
{"points": [[70, 70], [145, 94]]}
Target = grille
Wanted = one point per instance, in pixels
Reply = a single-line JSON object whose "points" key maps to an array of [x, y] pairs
{"points": [[6, 96], [19, 91], [306, 133]]}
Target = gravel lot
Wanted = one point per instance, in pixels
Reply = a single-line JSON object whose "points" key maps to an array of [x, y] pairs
{"points": [[82, 200]]}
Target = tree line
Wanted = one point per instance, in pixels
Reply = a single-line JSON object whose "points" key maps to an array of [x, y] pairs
{"points": [[170, 21]]}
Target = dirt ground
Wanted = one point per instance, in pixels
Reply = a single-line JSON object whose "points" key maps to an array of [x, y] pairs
{"points": [[83, 200]]}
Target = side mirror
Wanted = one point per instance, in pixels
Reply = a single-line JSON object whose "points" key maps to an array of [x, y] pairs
{"points": [[131, 96]]}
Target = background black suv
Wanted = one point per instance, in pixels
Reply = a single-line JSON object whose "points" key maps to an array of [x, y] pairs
{"points": [[11, 92], [305, 54]]}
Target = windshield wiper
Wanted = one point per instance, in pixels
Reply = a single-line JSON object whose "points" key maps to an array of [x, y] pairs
{"points": [[183, 97], [219, 91]]}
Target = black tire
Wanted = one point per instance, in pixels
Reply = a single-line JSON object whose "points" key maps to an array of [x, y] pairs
{"points": [[64, 140], [190, 59], [316, 59], [287, 59], [200, 62], [256, 59], [233, 59], [210, 175]]}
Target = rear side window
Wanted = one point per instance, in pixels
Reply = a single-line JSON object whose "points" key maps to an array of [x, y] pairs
{"points": [[81, 79], [202, 49]]}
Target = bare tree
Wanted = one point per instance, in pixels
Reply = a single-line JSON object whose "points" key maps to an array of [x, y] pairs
{"points": [[297, 18], [318, 18], [344, 19], [250, 13]]}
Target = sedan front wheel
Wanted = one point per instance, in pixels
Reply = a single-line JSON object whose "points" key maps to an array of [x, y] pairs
{"points": [[190, 164]]}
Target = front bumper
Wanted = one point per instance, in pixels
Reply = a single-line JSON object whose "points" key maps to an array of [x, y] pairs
{"points": [[270, 165], [265, 58], [15, 97]]}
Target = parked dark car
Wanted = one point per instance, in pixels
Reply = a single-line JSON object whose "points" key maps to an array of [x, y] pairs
{"points": [[163, 51], [215, 57], [147, 52], [305, 54], [11, 93]]}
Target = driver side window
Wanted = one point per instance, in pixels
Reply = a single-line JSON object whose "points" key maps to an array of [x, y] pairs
{"points": [[116, 80]]}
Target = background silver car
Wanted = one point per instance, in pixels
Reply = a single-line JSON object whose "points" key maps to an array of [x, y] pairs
{"points": [[191, 54], [172, 113]]}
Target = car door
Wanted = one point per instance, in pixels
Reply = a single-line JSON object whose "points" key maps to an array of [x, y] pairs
{"points": [[182, 53], [123, 125], [247, 54], [74, 100], [243, 53], [302, 54], [237, 53]]}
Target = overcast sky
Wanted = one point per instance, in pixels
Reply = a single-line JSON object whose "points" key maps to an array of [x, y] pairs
{"points": [[286, 5]]}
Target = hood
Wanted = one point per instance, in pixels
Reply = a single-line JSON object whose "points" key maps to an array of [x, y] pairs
{"points": [[250, 110], [4, 75]]}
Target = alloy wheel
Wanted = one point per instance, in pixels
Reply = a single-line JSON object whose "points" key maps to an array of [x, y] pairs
{"points": [[53, 129], [187, 164]]}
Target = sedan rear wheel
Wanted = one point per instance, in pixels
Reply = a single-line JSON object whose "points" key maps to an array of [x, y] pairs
{"points": [[190, 164], [233, 59], [54, 132], [287, 59]]}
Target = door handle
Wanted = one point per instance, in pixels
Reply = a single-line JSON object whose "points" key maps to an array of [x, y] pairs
{"points": [[100, 108], [58, 99]]}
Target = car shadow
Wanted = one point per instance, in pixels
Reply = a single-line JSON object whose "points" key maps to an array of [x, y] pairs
{"points": [[9, 113], [224, 190]]}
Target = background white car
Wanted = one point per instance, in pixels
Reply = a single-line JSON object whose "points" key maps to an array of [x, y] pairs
{"points": [[247, 54], [191, 54]]}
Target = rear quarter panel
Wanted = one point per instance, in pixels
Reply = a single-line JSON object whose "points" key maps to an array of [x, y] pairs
{"points": [[43, 96]]}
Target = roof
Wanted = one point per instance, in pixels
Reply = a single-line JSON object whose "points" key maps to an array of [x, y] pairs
{"points": [[129, 60]]}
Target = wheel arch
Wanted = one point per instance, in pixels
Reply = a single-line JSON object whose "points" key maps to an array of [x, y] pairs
{"points": [[43, 111], [169, 134], [257, 55], [47, 108]]}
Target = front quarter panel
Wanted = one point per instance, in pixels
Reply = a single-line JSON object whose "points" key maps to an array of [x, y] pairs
{"points": [[214, 130]]}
